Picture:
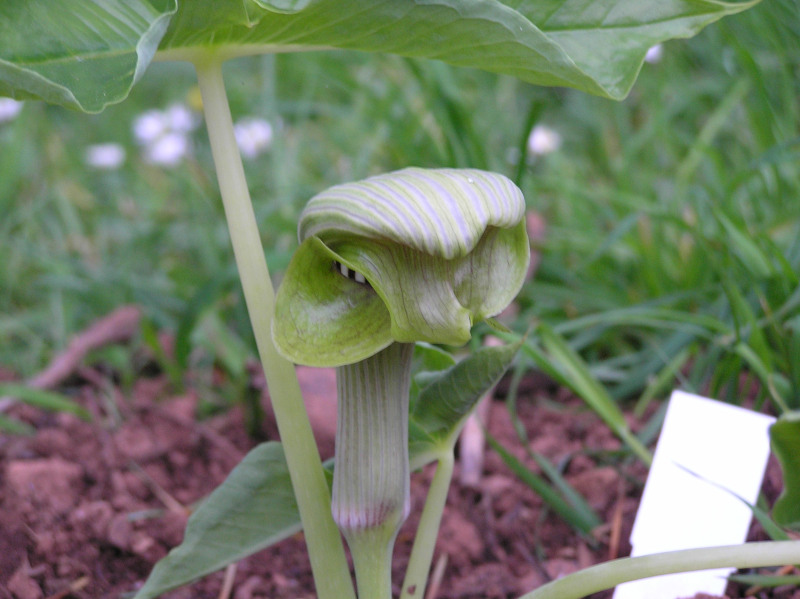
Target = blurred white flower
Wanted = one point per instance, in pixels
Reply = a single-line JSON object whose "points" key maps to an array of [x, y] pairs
{"points": [[253, 136], [164, 134], [149, 126], [543, 140], [168, 150], [9, 109], [654, 54], [180, 119], [108, 156]]}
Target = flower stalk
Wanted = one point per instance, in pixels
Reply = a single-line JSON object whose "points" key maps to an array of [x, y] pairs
{"points": [[325, 548]]}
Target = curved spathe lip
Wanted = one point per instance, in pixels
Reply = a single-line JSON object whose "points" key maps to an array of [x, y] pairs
{"points": [[325, 319], [463, 262]]}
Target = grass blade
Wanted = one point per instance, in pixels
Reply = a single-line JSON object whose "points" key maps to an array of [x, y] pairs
{"points": [[567, 367], [15, 427], [47, 400], [579, 516]]}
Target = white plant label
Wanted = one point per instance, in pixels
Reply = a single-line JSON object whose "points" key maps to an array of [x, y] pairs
{"points": [[710, 456]]}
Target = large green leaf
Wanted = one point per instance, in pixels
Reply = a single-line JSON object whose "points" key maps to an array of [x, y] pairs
{"points": [[253, 509], [785, 440], [84, 54], [88, 53], [596, 46]]}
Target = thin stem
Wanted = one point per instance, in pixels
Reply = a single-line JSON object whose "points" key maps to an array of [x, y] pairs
{"points": [[419, 563], [610, 574], [326, 551]]}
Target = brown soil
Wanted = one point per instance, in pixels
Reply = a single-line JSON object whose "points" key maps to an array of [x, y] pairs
{"points": [[87, 508]]}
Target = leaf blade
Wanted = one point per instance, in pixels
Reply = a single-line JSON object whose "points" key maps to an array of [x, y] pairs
{"points": [[785, 440], [451, 394], [46, 400], [599, 51], [85, 54], [252, 509], [579, 515], [566, 366]]}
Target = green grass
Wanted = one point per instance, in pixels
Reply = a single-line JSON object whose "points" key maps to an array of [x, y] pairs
{"points": [[673, 223]]}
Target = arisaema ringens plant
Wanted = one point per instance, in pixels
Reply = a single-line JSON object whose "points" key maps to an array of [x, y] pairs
{"points": [[416, 255], [87, 54]]}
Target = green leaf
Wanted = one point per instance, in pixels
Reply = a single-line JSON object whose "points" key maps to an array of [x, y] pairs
{"points": [[85, 54], [47, 400], [746, 248], [253, 509], [283, 6], [88, 53], [785, 439], [450, 396], [597, 47], [430, 357]]}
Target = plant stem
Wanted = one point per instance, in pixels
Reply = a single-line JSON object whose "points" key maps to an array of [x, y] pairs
{"points": [[610, 574], [326, 551], [371, 475], [419, 563], [372, 560]]}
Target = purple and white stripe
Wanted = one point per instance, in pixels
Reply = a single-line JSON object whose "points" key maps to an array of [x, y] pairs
{"points": [[442, 212]]}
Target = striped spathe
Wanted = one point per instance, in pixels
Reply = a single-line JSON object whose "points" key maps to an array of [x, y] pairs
{"points": [[441, 212]]}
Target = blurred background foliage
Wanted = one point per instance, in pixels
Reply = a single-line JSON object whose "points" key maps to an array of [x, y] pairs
{"points": [[670, 246]]}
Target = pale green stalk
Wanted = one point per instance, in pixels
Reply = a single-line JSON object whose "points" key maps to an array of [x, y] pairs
{"points": [[372, 561], [371, 475], [610, 574], [419, 564], [325, 548]]}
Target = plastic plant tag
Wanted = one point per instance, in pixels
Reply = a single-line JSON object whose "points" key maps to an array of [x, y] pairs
{"points": [[710, 459]]}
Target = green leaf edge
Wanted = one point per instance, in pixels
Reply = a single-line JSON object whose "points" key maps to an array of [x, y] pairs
{"points": [[785, 440], [30, 85]]}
